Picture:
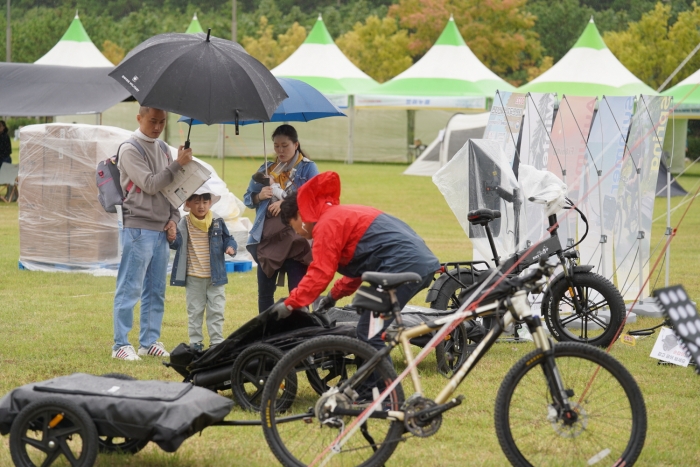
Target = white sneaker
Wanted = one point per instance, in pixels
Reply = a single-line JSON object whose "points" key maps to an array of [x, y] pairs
{"points": [[155, 350], [125, 352]]}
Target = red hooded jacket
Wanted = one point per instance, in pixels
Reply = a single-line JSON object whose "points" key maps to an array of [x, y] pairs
{"points": [[352, 239]]}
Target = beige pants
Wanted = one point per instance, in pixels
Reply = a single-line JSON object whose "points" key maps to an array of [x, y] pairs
{"points": [[202, 295]]}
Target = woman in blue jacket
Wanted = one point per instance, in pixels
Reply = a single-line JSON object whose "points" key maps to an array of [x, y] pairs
{"points": [[274, 245]]}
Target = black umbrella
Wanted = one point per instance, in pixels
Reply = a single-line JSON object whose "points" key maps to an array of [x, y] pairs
{"points": [[210, 79]]}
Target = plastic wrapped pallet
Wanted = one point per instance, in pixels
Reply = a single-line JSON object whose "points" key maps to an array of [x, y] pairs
{"points": [[62, 225]]}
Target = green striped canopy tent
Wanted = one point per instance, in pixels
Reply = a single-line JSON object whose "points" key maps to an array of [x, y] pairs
{"points": [[320, 63], [75, 49], [686, 96], [194, 26], [448, 76], [588, 69]]}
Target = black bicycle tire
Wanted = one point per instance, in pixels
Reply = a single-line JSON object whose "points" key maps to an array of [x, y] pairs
{"points": [[555, 293], [448, 294], [237, 372], [72, 413], [605, 363], [441, 351], [293, 360]]}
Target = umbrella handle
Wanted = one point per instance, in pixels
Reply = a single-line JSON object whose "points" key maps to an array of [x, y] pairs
{"points": [[187, 143]]}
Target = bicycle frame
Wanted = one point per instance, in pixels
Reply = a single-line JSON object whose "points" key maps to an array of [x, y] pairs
{"points": [[517, 309]]}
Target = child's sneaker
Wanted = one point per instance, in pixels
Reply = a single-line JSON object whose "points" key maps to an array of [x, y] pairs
{"points": [[197, 347], [125, 352], [155, 350]]}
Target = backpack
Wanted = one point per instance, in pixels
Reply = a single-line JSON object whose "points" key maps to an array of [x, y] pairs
{"points": [[108, 178]]}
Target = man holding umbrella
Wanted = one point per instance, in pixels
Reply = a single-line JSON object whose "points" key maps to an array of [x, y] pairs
{"points": [[149, 219]]}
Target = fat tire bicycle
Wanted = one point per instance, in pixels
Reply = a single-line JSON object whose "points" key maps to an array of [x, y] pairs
{"points": [[578, 306], [562, 404]]}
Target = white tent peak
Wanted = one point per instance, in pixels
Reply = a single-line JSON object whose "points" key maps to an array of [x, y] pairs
{"points": [[591, 20], [194, 18], [319, 17], [75, 48]]}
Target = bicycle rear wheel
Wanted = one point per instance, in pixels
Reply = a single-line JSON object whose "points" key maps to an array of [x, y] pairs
{"points": [[301, 442], [609, 425]]}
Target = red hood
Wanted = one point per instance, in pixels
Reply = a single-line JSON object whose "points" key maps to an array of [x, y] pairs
{"points": [[317, 195]]}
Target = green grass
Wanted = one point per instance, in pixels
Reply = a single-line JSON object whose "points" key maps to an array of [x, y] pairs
{"points": [[54, 324]]}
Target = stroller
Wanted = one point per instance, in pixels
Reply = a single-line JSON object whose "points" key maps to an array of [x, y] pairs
{"points": [[245, 359]]}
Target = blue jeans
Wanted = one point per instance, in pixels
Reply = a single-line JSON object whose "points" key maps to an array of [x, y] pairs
{"points": [[142, 275]]}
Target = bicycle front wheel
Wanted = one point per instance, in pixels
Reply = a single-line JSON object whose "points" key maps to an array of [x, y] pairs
{"points": [[607, 424], [308, 439], [602, 309]]}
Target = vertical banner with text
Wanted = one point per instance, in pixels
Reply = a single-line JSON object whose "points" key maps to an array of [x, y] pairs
{"points": [[570, 129], [637, 190], [606, 145]]}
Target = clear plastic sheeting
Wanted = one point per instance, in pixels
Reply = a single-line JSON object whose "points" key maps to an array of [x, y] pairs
{"points": [[480, 176], [62, 225], [542, 187]]}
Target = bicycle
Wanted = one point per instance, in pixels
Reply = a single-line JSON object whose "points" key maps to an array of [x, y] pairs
{"points": [[585, 410], [578, 306]]}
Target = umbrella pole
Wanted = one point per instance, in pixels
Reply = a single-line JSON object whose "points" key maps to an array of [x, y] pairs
{"points": [[187, 143], [264, 147]]}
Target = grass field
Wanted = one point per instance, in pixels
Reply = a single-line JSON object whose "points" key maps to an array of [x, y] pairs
{"points": [[54, 324]]}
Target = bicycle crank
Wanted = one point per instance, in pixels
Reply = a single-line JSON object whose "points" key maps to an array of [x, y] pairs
{"points": [[423, 417]]}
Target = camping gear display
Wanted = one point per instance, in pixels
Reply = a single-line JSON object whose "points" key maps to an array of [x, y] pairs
{"points": [[86, 406], [209, 79], [304, 104]]}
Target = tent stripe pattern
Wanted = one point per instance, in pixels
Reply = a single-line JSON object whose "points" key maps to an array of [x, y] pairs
{"points": [[320, 63], [687, 95], [449, 75], [588, 69], [75, 49], [194, 26]]}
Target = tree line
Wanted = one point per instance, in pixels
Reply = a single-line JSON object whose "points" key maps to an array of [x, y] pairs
{"points": [[517, 39]]}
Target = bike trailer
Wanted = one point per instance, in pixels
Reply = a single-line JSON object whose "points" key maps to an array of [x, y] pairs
{"points": [[165, 413]]}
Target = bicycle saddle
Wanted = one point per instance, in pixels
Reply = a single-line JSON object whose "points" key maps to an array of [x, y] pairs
{"points": [[482, 216], [390, 280]]}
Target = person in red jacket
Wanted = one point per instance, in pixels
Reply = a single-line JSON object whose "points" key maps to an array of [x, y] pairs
{"points": [[350, 239]]}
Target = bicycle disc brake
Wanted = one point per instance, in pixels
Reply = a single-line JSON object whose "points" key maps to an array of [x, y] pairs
{"points": [[561, 424], [414, 424]]}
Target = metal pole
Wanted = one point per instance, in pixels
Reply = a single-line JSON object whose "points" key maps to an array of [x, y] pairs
{"points": [[351, 127], [669, 162], [234, 22], [8, 36], [410, 134], [640, 232], [223, 151]]}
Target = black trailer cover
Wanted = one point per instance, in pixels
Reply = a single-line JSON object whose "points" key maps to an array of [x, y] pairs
{"points": [[163, 412]]}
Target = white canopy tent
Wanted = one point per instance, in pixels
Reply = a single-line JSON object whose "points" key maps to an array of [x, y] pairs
{"points": [[75, 49]]}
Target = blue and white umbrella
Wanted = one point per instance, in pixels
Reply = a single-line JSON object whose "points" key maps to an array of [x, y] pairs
{"points": [[304, 104]]}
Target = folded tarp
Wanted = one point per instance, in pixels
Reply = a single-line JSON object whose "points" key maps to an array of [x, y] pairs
{"points": [[30, 90], [163, 412]]}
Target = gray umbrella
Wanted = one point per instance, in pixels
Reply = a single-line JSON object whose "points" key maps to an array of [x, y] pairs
{"points": [[210, 79]]}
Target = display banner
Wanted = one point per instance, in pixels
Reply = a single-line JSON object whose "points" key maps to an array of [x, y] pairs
{"points": [[567, 159], [606, 145], [505, 121], [534, 151], [634, 218]]}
